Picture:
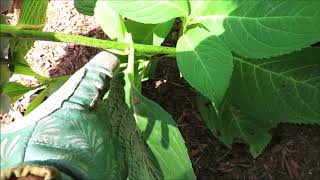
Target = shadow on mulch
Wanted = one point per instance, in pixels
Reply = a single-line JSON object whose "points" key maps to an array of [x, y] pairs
{"points": [[76, 56], [294, 152]]}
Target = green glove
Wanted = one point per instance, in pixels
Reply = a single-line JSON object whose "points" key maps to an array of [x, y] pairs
{"points": [[68, 131]]}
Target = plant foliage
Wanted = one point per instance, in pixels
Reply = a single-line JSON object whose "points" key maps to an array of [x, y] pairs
{"points": [[251, 62], [233, 54]]}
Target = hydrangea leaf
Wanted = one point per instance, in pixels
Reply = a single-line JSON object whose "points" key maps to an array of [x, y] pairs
{"points": [[85, 7], [281, 89], [151, 12], [205, 62], [109, 20], [152, 34], [260, 29]]}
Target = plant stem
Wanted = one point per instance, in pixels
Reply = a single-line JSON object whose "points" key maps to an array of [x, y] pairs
{"points": [[86, 41]]}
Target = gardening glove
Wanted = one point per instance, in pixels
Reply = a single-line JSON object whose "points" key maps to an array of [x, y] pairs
{"points": [[67, 136]]}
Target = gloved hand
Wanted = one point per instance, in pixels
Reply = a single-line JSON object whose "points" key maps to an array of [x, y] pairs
{"points": [[67, 136]]}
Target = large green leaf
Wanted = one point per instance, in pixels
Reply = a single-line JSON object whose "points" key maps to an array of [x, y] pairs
{"points": [[257, 29], [26, 70], [109, 20], [234, 124], [163, 137], [211, 14], [32, 15], [205, 62], [85, 7], [152, 34], [209, 114], [264, 93], [282, 89], [151, 12], [21, 67], [15, 90], [28, 15], [158, 129], [54, 84], [37, 101]]}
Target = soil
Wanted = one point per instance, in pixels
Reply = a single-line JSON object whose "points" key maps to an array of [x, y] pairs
{"points": [[294, 152]]}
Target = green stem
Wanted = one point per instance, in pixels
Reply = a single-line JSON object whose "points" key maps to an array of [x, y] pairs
{"points": [[86, 41]]}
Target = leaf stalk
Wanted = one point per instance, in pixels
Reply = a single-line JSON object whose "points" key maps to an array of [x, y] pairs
{"points": [[86, 41]]}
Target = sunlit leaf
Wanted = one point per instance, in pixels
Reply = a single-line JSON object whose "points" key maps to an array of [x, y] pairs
{"points": [[15, 90], [205, 62], [151, 12], [258, 29]]}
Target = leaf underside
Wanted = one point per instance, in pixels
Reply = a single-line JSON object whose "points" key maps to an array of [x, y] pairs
{"points": [[266, 92], [152, 34]]}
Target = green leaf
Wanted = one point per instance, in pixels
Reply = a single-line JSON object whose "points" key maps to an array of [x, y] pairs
{"points": [[85, 7], [161, 134], [264, 93], [158, 130], [15, 90], [30, 19], [152, 34], [37, 101], [26, 70], [281, 89], [211, 14], [205, 63], [151, 12], [209, 114], [56, 83], [28, 15], [109, 20], [258, 29], [233, 124]]}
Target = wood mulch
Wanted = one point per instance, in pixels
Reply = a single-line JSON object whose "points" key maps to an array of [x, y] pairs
{"points": [[294, 152]]}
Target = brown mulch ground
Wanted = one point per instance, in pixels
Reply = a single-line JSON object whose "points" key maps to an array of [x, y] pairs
{"points": [[294, 152]]}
